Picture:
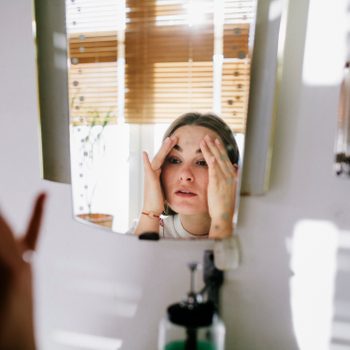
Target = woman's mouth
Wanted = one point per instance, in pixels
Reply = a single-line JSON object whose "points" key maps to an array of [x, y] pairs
{"points": [[185, 194]]}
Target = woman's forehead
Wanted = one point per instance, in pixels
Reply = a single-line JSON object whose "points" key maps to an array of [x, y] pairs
{"points": [[193, 134]]}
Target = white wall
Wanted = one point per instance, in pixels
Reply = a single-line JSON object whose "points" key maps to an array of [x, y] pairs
{"points": [[98, 283]]}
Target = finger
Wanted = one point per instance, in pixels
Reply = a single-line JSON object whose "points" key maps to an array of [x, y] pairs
{"points": [[208, 156], [146, 163], [213, 170], [213, 159], [164, 150], [31, 236], [218, 150], [9, 253], [232, 168]]}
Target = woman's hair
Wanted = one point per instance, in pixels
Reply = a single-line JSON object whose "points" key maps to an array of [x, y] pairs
{"points": [[210, 121]]}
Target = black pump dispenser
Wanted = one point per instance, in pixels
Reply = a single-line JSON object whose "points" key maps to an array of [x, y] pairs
{"points": [[192, 312], [191, 324]]}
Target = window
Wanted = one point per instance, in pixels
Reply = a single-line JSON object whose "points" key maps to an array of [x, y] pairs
{"points": [[148, 61]]}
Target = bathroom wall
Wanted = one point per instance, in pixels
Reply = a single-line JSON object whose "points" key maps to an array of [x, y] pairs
{"points": [[111, 291]]}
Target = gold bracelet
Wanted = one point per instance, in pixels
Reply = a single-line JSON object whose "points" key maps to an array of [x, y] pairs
{"points": [[151, 214]]}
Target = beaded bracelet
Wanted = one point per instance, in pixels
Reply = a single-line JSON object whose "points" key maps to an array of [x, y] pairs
{"points": [[151, 214]]}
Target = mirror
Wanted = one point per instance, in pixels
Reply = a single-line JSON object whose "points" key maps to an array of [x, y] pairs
{"points": [[134, 67]]}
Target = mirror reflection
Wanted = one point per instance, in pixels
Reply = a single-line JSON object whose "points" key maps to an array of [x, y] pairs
{"points": [[191, 180], [135, 67]]}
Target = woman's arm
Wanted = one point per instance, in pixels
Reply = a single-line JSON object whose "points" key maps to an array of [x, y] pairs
{"points": [[153, 203]]}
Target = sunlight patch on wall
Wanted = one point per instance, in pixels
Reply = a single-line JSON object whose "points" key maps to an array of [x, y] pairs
{"points": [[341, 330], [327, 27], [86, 341], [275, 9], [108, 297], [313, 262], [344, 240]]}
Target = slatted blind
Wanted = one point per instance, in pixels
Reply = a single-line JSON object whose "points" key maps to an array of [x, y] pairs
{"points": [[238, 19], [93, 81], [168, 59], [169, 62], [93, 93]]}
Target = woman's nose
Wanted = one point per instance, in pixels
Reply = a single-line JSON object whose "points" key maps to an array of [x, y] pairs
{"points": [[186, 175]]}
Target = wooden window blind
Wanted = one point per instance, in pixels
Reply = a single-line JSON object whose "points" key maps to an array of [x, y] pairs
{"points": [[93, 93], [168, 60], [238, 19], [93, 53], [169, 63]]}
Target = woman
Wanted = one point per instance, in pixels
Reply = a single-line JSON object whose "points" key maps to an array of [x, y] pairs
{"points": [[192, 180]]}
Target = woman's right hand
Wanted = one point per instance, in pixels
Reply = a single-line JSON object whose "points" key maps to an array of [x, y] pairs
{"points": [[153, 194]]}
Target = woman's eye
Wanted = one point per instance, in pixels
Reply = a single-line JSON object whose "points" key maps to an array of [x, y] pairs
{"points": [[173, 160], [202, 163]]}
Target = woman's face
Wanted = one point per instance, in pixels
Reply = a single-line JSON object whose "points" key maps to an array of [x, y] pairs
{"points": [[185, 173]]}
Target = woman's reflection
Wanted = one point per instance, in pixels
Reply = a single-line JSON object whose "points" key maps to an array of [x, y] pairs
{"points": [[190, 185]]}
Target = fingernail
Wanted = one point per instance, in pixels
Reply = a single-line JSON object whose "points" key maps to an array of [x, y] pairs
{"points": [[217, 141], [28, 256], [167, 140]]}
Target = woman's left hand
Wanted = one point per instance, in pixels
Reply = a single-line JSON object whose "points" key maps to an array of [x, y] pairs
{"points": [[222, 185]]}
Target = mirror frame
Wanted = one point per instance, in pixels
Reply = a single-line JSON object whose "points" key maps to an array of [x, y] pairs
{"points": [[49, 29], [263, 100]]}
